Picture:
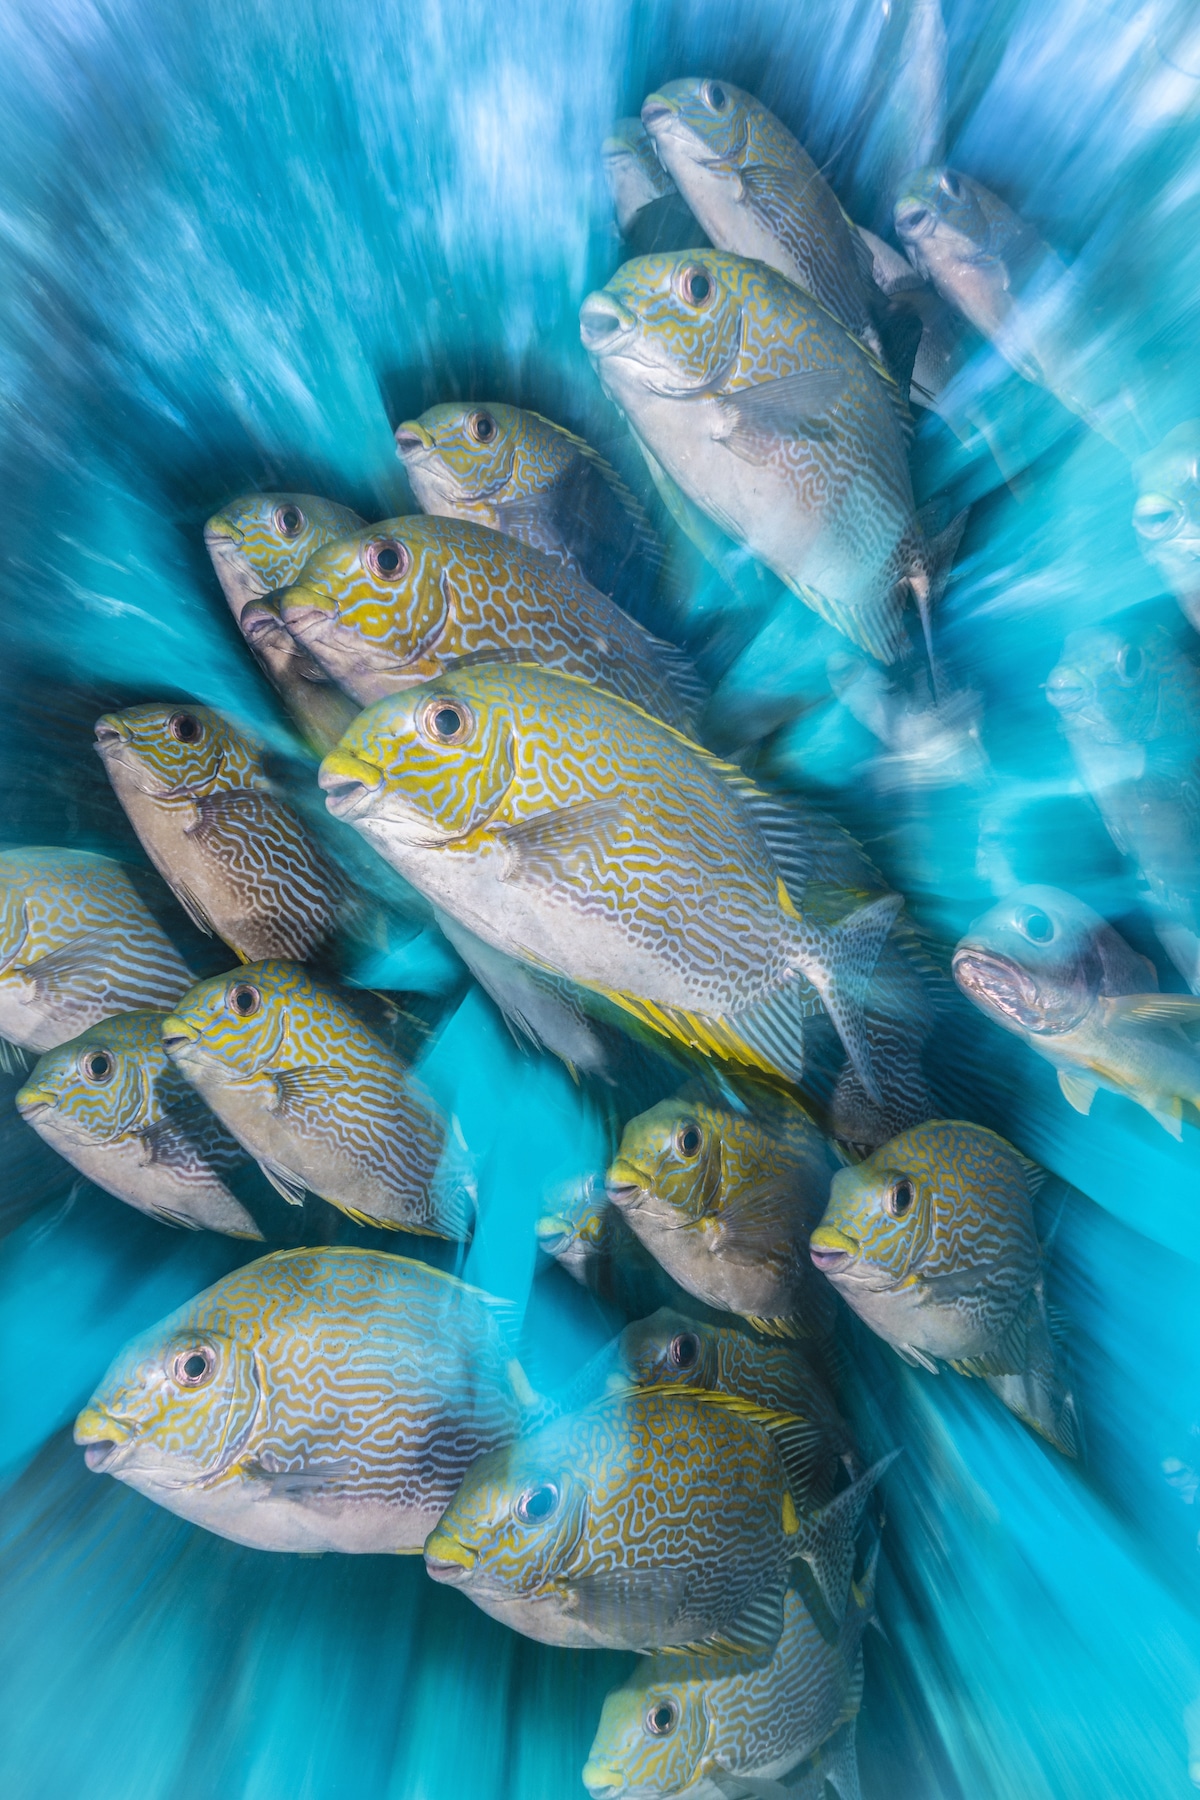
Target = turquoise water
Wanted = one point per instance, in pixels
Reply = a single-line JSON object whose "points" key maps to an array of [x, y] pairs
{"points": [[242, 241]]}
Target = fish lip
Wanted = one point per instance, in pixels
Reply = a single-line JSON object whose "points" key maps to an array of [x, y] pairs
{"points": [[448, 1573], [914, 220], [602, 326], [971, 962], [1065, 692], [411, 439], [108, 731], [829, 1261], [103, 1436], [596, 1783], [177, 1034], [223, 538], [656, 109], [344, 798]]}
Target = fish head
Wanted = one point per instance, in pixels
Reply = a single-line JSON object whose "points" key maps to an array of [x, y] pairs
{"points": [[516, 1518], [176, 752], [634, 174], [260, 542], [241, 1025], [709, 124], [177, 1405], [99, 1086], [573, 1228], [653, 1734], [1166, 513], [1033, 962], [669, 1163], [428, 766], [460, 452], [940, 213], [1114, 686], [668, 1347], [667, 326]]}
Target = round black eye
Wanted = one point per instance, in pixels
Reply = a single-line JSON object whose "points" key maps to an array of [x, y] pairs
{"points": [[1036, 925], [695, 287], [244, 1000], [715, 96], [899, 1198], [1130, 663], [684, 1350], [191, 1368], [186, 727], [97, 1065], [446, 721], [688, 1140], [537, 1503], [662, 1718], [482, 427], [386, 557], [951, 184], [289, 521]]}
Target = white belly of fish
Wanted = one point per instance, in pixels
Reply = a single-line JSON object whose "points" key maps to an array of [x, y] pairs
{"points": [[249, 1512]]}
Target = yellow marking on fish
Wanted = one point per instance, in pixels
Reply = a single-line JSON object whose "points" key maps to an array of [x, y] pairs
{"points": [[785, 900], [448, 1549], [791, 1523]]}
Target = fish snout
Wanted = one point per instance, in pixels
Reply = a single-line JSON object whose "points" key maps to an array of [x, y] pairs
{"points": [[347, 782], [656, 110], [602, 1780], [301, 607], [552, 1232], [624, 1182], [220, 533], [177, 1034], [102, 1435], [109, 731], [603, 323], [913, 220], [1066, 689], [446, 1559], [411, 439], [31, 1101], [831, 1249]]}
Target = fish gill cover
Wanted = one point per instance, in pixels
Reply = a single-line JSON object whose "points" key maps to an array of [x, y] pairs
{"points": [[243, 245]]}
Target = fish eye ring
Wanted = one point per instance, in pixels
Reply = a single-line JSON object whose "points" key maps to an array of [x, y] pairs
{"points": [[537, 1503], [684, 1350], [185, 727], [951, 184], [289, 521], [1130, 663], [1035, 924], [689, 1140], [445, 721], [243, 1000], [97, 1066], [899, 1197], [695, 285], [714, 96], [193, 1367], [662, 1718], [481, 426], [386, 558]]}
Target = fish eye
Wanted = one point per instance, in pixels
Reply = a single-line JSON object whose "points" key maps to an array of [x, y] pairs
{"points": [[446, 721], [482, 427], [289, 521], [695, 287], [537, 1503], [899, 1197], [1035, 924], [386, 557], [192, 1368], [186, 727], [1130, 663], [683, 1351], [97, 1066], [714, 96], [1154, 516], [244, 1000], [688, 1140], [662, 1718], [951, 184]]}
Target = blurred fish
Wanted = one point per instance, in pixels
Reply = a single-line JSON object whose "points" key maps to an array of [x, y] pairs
{"points": [[725, 1200], [643, 1522], [573, 832], [237, 859], [928, 742], [931, 1241], [1048, 968], [404, 601], [327, 1399], [259, 543], [112, 1105], [1166, 514], [588, 1237], [76, 945], [908, 128], [319, 1101], [755, 403], [651, 213]]}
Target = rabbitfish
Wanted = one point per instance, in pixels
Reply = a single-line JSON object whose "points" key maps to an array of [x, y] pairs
{"points": [[725, 1200], [76, 945], [319, 1101], [238, 860], [931, 1241], [579, 835], [327, 1399], [111, 1104], [259, 543], [404, 601], [1048, 968], [587, 1236], [1166, 514], [517, 473], [757, 404], [642, 1522]]}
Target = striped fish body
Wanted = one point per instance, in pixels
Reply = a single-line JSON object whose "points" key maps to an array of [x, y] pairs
{"points": [[237, 858], [726, 1200], [577, 834], [111, 1104], [76, 946], [259, 543], [402, 602], [317, 1099], [517, 473], [768, 416], [327, 1399], [644, 1521]]}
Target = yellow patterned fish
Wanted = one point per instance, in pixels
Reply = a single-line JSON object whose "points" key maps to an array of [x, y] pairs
{"points": [[319, 1101], [575, 833], [238, 859], [111, 1104], [405, 600], [931, 1240], [76, 945], [328, 1399]]}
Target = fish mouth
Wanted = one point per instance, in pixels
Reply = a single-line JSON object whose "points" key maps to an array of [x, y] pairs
{"points": [[103, 1436], [32, 1102], [998, 985], [913, 220], [603, 324], [552, 1232], [447, 1560], [109, 732], [302, 608], [1066, 690], [411, 439], [831, 1249], [656, 110], [223, 536], [348, 783], [625, 1183], [177, 1034], [602, 1780]]}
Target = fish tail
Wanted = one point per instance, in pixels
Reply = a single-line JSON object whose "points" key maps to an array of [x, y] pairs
{"points": [[905, 1098], [826, 1538], [839, 965], [1039, 1394]]}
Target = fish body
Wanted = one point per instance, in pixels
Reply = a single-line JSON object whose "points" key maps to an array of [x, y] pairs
{"points": [[927, 743], [1166, 514], [726, 1200], [76, 946], [589, 1239], [319, 1101], [111, 1104], [402, 602], [237, 858], [1049, 969], [317, 1399], [259, 543], [575, 833], [767, 415]]}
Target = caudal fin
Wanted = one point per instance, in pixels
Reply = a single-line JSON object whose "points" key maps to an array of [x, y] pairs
{"points": [[839, 963], [826, 1538]]}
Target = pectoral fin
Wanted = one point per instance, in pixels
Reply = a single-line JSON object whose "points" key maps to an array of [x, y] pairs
{"points": [[80, 956], [1079, 1090], [545, 849], [1172, 1009], [285, 1182], [754, 419]]}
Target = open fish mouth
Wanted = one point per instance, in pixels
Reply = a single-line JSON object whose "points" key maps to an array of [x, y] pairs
{"points": [[999, 985], [603, 325], [625, 1184], [913, 220], [103, 1437]]}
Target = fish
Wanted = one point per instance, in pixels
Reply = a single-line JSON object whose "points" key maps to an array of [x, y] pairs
{"points": [[931, 1241], [1166, 514], [908, 127], [260, 542], [313, 1400], [753, 401], [725, 1200], [237, 858], [406, 600], [927, 742], [112, 1105], [1045, 966], [651, 212], [317, 1099], [644, 1521], [575, 833], [77, 944], [590, 1241]]}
